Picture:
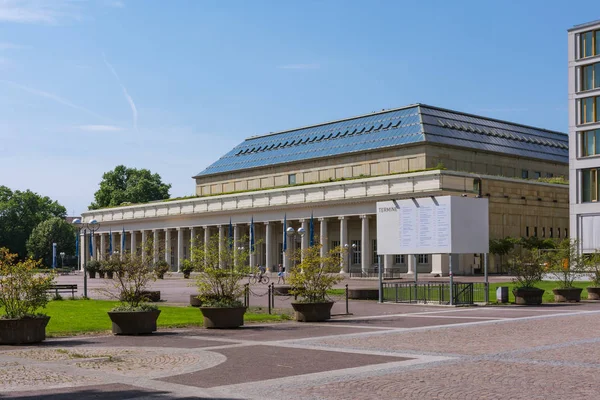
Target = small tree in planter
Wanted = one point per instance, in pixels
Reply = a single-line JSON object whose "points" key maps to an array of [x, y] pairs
{"points": [[592, 266], [22, 293], [161, 268], [221, 265], [107, 265], [93, 267], [564, 263], [187, 267], [133, 316], [528, 269], [311, 279]]}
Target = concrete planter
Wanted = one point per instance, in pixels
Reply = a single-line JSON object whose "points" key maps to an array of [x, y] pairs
{"points": [[572, 295], [283, 290], [92, 274], [223, 317], [363, 294], [313, 312], [195, 301], [23, 331], [528, 296], [133, 322], [109, 275], [151, 295], [593, 293]]}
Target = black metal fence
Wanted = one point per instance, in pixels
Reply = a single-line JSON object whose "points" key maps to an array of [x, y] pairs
{"points": [[464, 293]]}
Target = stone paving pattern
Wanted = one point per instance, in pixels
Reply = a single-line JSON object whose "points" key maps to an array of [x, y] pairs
{"points": [[391, 352]]}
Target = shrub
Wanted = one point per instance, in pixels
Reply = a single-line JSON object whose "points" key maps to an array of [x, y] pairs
{"points": [[564, 262], [528, 267], [161, 268], [134, 275], [186, 267], [221, 267], [22, 290], [93, 266], [315, 274]]}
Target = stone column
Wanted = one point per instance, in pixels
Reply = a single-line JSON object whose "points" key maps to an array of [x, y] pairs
{"points": [[111, 240], [236, 244], [122, 244], [192, 240], [252, 254], [168, 247], [179, 248], [102, 245], [439, 264], [221, 239], [288, 250], [155, 245], [323, 236], [365, 251], [344, 242], [411, 262], [388, 262], [269, 246], [133, 243], [143, 245], [206, 241], [304, 239]]}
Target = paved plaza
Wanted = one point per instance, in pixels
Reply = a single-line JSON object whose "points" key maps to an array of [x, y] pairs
{"points": [[390, 351]]}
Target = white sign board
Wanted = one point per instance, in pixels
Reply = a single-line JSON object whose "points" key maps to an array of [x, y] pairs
{"points": [[433, 225]]}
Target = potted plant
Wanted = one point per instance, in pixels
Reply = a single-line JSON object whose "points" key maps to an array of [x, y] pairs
{"points": [[564, 263], [133, 315], [222, 266], [528, 269], [22, 293], [592, 265], [161, 268], [100, 269], [311, 279], [187, 267], [92, 267]]}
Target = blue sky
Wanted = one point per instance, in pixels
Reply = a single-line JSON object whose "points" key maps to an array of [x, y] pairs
{"points": [[173, 85]]}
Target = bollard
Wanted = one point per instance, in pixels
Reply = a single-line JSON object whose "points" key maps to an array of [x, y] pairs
{"points": [[347, 312], [269, 291], [273, 295], [246, 295]]}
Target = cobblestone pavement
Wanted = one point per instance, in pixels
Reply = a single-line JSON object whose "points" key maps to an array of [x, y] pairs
{"points": [[512, 352]]}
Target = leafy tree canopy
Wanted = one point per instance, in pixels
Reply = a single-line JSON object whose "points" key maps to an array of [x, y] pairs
{"points": [[53, 230], [20, 213], [129, 185]]}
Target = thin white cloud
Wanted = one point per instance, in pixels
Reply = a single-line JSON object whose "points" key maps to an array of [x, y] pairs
{"points": [[37, 11], [10, 46], [100, 128], [114, 4], [125, 93], [299, 66], [50, 96]]}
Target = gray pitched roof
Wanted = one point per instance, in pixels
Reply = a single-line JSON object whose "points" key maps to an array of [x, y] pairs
{"points": [[392, 128]]}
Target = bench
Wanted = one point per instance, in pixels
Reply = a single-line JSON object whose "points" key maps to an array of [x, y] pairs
{"points": [[63, 289]]}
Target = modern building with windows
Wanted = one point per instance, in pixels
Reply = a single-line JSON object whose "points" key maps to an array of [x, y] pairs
{"points": [[337, 172], [584, 133]]}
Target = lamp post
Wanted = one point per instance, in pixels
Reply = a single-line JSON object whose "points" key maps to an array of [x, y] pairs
{"points": [[292, 233], [62, 259], [93, 226]]}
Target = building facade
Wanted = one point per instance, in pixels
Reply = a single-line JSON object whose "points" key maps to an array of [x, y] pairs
{"points": [[337, 171], [584, 133]]}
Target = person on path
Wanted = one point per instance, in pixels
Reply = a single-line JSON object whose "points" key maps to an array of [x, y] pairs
{"points": [[280, 275]]}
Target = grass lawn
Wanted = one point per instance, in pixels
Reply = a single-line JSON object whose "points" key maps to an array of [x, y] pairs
{"points": [[547, 286], [72, 317]]}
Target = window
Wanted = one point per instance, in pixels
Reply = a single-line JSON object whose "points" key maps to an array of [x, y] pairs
{"points": [[375, 255], [423, 259], [566, 233], [590, 76], [558, 232], [551, 233], [280, 254], [543, 231], [524, 174], [590, 143], [291, 179], [399, 259], [588, 109], [589, 185], [537, 175], [476, 185], [172, 256], [535, 231], [356, 252], [590, 44], [549, 175], [527, 231]]}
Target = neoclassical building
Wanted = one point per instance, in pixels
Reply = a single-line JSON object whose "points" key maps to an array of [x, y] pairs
{"points": [[337, 171]]}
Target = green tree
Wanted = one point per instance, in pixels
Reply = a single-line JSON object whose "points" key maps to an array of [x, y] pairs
{"points": [[129, 185], [53, 230], [20, 213]]}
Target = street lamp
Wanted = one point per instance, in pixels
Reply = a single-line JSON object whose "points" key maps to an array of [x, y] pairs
{"points": [[62, 259], [350, 250], [93, 226], [292, 233]]}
